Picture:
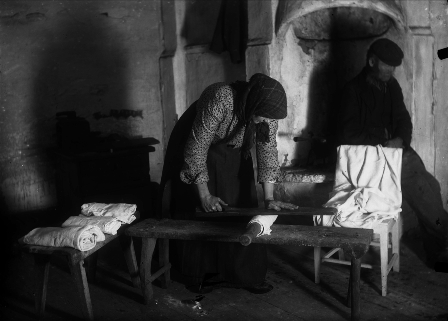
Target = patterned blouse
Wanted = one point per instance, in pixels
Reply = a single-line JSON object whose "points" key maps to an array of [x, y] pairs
{"points": [[214, 116]]}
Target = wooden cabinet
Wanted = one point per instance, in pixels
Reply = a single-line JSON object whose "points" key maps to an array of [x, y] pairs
{"points": [[117, 176]]}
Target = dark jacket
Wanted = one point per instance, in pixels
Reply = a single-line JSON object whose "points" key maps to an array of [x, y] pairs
{"points": [[364, 106]]}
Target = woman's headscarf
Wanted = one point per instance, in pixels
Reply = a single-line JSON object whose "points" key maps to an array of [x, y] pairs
{"points": [[262, 96], [266, 98]]}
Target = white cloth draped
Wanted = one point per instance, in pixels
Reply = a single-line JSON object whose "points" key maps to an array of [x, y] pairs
{"points": [[367, 187], [82, 238]]}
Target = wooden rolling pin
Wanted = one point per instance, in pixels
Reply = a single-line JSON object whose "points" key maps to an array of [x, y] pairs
{"points": [[251, 232], [254, 229]]}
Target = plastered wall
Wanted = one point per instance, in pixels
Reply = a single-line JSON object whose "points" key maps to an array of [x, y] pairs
{"points": [[86, 56], [152, 56], [313, 71], [149, 56]]}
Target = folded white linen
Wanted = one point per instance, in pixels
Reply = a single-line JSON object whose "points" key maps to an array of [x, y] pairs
{"points": [[82, 238], [367, 187], [122, 211], [108, 225], [265, 221]]}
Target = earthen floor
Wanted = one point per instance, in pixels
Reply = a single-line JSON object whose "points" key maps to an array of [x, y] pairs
{"points": [[415, 293]]}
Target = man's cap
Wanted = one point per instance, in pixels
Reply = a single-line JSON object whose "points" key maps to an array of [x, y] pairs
{"points": [[387, 51]]}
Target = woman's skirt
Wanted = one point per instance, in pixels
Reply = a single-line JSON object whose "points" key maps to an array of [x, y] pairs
{"points": [[231, 178]]}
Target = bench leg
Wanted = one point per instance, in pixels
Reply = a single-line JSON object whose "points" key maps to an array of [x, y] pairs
{"points": [[317, 262], [396, 233], [349, 291], [355, 274], [127, 245], [164, 259], [384, 243], [341, 255], [148, 246], [79, 275], [90, 264], [42, 267]]}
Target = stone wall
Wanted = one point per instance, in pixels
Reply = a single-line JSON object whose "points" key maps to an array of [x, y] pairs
{"points": [[92, 57], [438, 20], [315, 47], [84, 56], [195, 65], [153, 57]]}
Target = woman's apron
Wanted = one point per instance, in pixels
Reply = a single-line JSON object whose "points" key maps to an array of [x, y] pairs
{"points": [[231, 178]]}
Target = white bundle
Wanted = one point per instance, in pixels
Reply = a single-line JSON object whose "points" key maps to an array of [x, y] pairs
{"points": [[123, 212], [82, 238], [367, 187], [365, 208], [108, 225]]}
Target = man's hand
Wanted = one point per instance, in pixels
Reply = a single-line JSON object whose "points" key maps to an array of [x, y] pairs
{"points": [[277, 205], [396, 142]]}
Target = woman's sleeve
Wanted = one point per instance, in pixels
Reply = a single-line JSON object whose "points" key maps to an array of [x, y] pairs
{"points": [[267, 156], [210, 113]]}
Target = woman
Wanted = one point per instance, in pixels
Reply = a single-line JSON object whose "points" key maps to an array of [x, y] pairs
{"points": [[208, 162]]}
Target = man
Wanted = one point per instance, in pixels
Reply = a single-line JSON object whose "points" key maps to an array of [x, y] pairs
{"points": [[373, 112]]}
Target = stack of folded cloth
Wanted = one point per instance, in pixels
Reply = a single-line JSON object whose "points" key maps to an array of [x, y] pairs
{"points": [[121, 211], [84, 231], [107, 225], [82, 238]]}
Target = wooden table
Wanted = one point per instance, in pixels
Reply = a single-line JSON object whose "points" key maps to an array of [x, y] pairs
{"points": [[353, 241]]}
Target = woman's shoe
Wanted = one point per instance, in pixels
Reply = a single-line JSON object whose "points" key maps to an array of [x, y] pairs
{"points": [[206, 287], [264, 287], [202, 285], [199, 288]]}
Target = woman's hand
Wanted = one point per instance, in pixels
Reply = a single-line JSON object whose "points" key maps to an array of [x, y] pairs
{"points": [[277, 205], [212, 203], [270, 203], [209, 202]]}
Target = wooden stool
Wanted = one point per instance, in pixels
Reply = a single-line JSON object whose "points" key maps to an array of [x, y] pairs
{"points": [[380, 233], [75, 259]]}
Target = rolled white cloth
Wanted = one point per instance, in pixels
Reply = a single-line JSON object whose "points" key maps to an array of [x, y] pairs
{"points": [[265, 221], [122, 211], [108, 225], [82, 238]]}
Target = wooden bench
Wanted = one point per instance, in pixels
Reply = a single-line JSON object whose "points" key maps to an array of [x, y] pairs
{"points": [[352, 240], [76, 261]]}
